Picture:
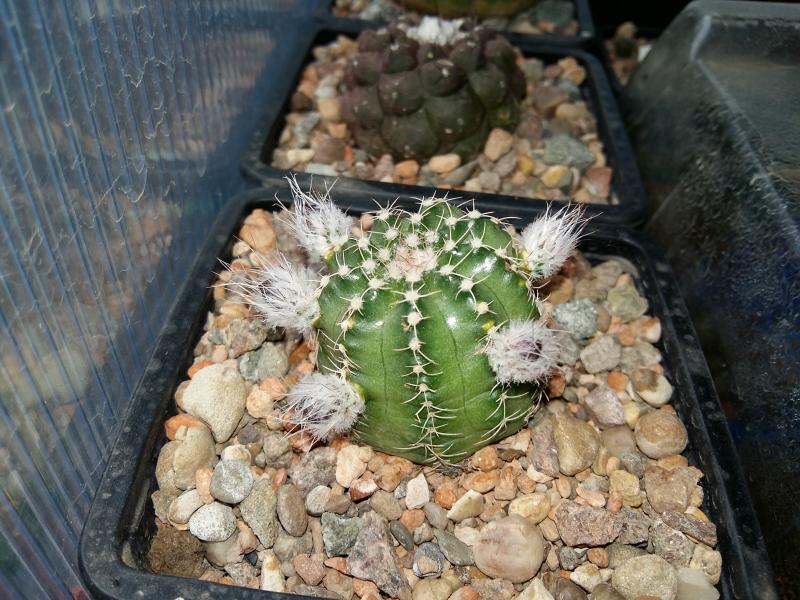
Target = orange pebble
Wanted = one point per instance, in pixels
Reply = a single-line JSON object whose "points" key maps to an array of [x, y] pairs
{"points": [[300, 353], [172, 424], [305, 366], [617, 380], [338, 563], [200, 364]]}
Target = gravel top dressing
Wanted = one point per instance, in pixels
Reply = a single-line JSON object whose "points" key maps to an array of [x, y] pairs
{"points": [[545, 17], [592, 496], [551, 150]]}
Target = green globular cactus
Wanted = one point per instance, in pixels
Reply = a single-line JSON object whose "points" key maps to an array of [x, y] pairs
{"points": [[469, 8], [429, 342], [415, 92]]}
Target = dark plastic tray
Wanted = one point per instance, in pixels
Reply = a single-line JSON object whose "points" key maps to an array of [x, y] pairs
{"points": [[119, 527], [626, 181], [583, 14]]}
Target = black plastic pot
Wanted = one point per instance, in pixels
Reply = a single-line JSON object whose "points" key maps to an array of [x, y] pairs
{"points": [[583, 14], [115, 540], [626, 182]]}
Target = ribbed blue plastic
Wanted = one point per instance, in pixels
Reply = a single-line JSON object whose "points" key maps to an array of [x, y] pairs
{"points": [[121, 126]]}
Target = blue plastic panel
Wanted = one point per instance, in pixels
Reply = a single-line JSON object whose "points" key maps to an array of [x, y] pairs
{"points": [[121, 126]]}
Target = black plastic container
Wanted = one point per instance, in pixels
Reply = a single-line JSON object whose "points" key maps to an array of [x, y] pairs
{"points": [[713, 114], [626, 182], [583, 15], [120, 525]]}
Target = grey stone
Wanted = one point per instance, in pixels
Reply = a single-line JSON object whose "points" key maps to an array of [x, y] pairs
{"points": [[271, 360], [232, 481], [618, 440], [670, 489], [646, 575], [287, 547], [659, 434], [436, 515], [386, 505], [195, 451], [562, 149], [258, 510], [241, 572], [182, 507], [493, 589], [212, 523], [635, 526], [402, 535], [585, 525], [244, 335], [632, 461], [461, 174], [224, 552], [671, 545], [692, 585], [217, 395], [578, 317], [564, 589], [456, 551], [542, 452], [423, 533], [603, 591], [567, 350], [602, 354], [291, 510], [277, 450], [510, 548], [318, 467], [317, 499], [618, 553], [576, 441], [339, 533], [304, 126], [703, 531], [432, 567], [625, 302], [506, 164], [605, 407], [490, 181], [372, 558], [570, 557]]}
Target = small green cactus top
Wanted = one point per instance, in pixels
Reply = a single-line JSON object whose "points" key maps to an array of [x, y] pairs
{"points": [[429, 343], [469, 8], [418, 91]]}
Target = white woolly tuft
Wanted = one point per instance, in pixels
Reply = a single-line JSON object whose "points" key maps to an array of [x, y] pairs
{"points": [[435, 30], [282, 293], [324, 405], [318, 224], [522, 351], [551, 239]]}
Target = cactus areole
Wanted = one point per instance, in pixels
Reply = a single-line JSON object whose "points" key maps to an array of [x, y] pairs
{"points": [[429, 343]]}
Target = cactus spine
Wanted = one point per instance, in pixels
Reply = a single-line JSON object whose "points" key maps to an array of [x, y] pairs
{"points": [[428, 336]]}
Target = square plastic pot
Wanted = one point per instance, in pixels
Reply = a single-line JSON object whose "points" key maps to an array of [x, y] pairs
{"points": [[583, 15], [121, 523], [626, 182]]}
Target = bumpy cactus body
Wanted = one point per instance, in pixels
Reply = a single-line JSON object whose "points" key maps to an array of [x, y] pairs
{"points": [[433, 89], [404, 317], [469, 8], [429, 342]]}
